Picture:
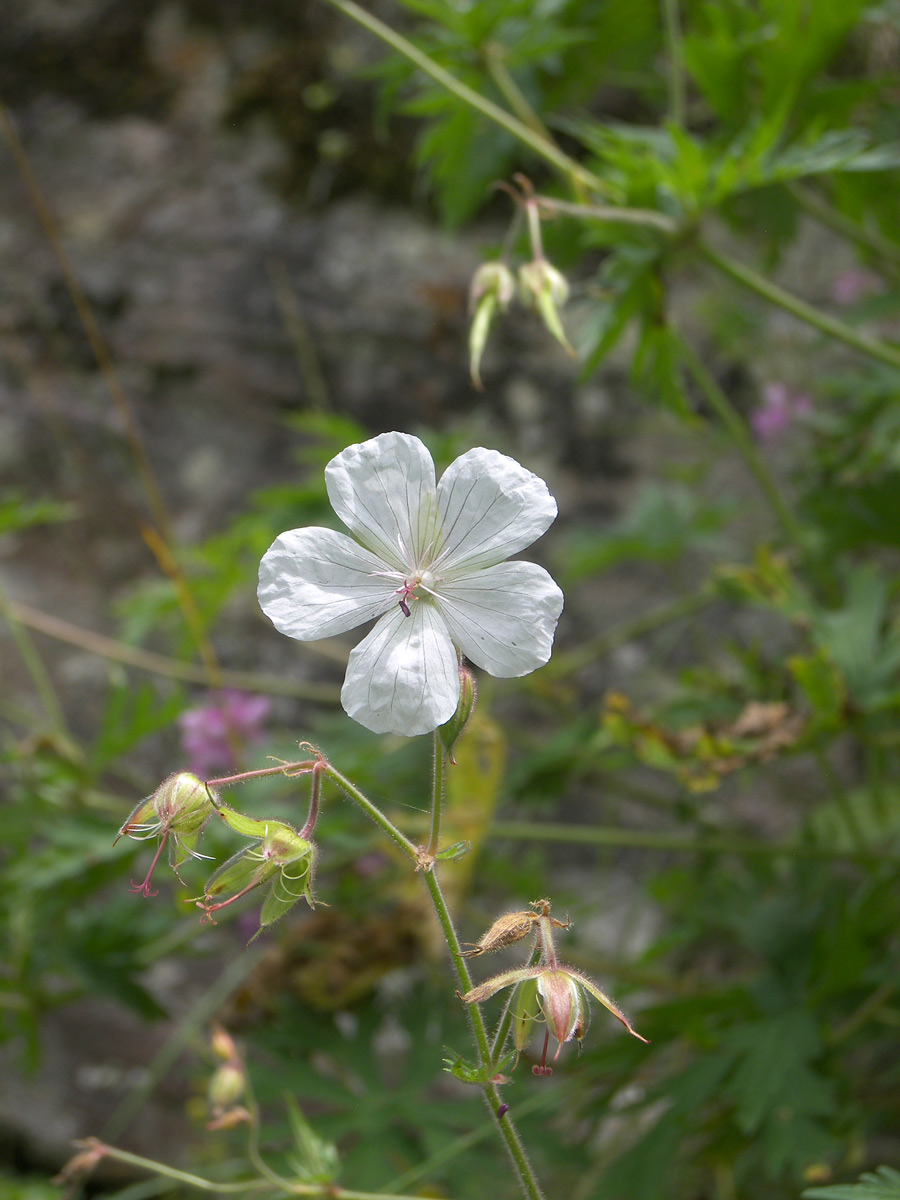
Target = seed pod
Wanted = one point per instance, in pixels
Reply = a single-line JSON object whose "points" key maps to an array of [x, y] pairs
{"points": [[506, 930]]}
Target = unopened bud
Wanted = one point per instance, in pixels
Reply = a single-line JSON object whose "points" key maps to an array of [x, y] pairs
{"points": [[223, 1045], [493, 287], [281, 856], [545, 289], [176, 813], [562, 1002], [492, 279], [451, 731], [225, 1087]]}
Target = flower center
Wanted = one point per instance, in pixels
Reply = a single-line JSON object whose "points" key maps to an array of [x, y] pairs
{"points": [[423, 579]]}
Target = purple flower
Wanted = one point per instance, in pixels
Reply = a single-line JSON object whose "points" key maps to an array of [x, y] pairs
{"points": [[853, 285], [212, 733], [779, 410]]}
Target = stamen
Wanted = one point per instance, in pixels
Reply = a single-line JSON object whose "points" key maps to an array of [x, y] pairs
{"points": [[407, 592], [541, 1068]]}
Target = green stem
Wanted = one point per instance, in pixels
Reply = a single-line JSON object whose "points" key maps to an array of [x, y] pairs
{"points": [[505, 1126], [867, 1009], [171, 668], [437, 793], [599, 835], [610, 212], [880, 351], [328, 1191], [882, 250], [568, 661], [495, 62], [841, 800], [546, 1097], [743, 439], [506, 1020], [675, 46], [35, 667], [507, 1130], [375, 813], [541, 146]]}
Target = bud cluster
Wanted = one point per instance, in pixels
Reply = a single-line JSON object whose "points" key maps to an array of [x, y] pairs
{"points": [[279, 857], [227, 1084], [545, 992], [541, 287]]}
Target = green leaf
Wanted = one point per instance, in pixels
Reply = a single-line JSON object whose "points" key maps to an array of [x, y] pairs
{"points": [[17, 513], [774, 1079], [251, 827], [313, 1160], [881, 1184], [457, 850], [855, 637]]}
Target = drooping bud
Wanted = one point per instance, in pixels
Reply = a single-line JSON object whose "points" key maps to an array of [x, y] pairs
{"points": [[493, 287], [175, 813], [562, 1004], [222, 1044], [280, 856], [552, 995], [225, 1087], [544, 289], [227, 1084], [451, 731]]}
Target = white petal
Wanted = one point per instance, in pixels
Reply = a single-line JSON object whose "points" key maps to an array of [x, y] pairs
{"points": [[314, 583], [404, 677], [383, 490], [503, 618], [489, 507]]}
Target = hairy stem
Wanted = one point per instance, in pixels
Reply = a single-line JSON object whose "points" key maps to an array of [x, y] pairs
{"points": [[328, 1191], [505, 1126], [881, 352], [437, 794], [547, 150], [676, 74], [743, 440], [171, 668], [372, 811], [34, 665], [884, 251]]}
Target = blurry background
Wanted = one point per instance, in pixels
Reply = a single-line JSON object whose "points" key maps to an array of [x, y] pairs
{"points": [[236, 237]]}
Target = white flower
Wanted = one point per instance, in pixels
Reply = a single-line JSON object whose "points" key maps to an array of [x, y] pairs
{"points": [[428, 562]]}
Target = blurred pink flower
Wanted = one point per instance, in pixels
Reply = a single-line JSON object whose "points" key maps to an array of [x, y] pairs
{"points": [[778, 411], [211, 733], [853, 285]]}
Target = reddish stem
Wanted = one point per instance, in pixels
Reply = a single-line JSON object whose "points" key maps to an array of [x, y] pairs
{"points": [[144, 888]]}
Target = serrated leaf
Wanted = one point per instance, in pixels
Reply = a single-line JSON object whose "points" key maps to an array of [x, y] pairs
{"points": [[881, 1184], [314, 1160], [457, 850], [774, 1072]]}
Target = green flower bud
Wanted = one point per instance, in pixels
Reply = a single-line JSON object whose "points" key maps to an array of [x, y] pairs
{"points": [[226, 1087], [280, 857], [451, 731], [545, 289], [493, 287], [176, 813]]}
